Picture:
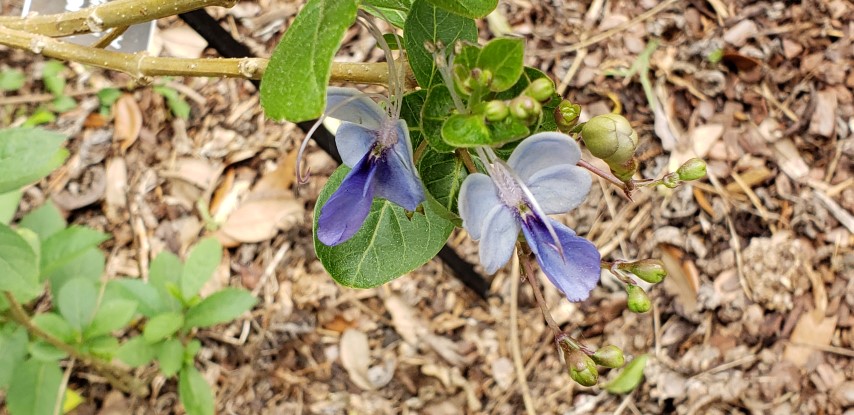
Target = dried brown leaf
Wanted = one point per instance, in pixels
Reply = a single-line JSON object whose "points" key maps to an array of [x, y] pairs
{"points": [[127, 121]]}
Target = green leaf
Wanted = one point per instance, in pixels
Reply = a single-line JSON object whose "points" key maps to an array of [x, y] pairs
{"points": [[44, 220], [466, 131], [18, 265], [13, 343], [66, 245], [12, 80], [389, 244], [165, 271], [176, 103], [35, 388], [146, 297], [195, 393], [437, 108], [40, 116], [108, 96], [104, 347], [410, 111], [45, 352], [54, 80], [220, 307], [162, 326], [170, 355], [77, 301], [88, 265], [392, 11], [442, 175], [200, 266], [190, 351], [504, 58], [27, 155], [64, 103], [474, 9], [136, 352], [427, 23], [9, 205], [509, 129], [294, 83], [630, 377], [111, 315], [55, 325]]}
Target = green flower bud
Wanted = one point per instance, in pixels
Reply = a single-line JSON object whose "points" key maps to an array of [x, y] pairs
{"points": [[541, 89], [649, 270], [610, 137], [496, 110], [638, 301], [693, 169], [625, 171], [581, 368], [671, 181], [566, 116], [482, 77], [609, 356], [525, 108], [462, 79]]}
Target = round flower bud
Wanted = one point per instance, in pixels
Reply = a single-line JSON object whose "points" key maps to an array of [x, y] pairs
{"points": [[609, 356], [525, 108], [610, 137], [566, 116], [496, 110], [649, 270], [625, 171], [581, 368], [481, 77], [638, 301], [541, 89], [693, 169]]}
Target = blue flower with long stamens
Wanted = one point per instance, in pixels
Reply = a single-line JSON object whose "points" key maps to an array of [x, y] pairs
{"points": [[378, 149], [540, 178]]}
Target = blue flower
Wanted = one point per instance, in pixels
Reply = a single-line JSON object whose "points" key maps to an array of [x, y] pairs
{"points": [[377, 148], [540, 178]]}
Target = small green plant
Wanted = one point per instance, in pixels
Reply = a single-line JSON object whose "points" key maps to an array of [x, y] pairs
{"points": [[80, 324]]}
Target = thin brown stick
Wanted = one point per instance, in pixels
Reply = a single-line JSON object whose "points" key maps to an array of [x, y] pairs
{"points": [[525, 259], [515, 348]]}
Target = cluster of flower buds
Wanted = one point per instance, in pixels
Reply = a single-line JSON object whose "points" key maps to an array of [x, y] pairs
{"points": [[566, 116], [527, 107], [649, 270], [611, 138], [581, 363]]}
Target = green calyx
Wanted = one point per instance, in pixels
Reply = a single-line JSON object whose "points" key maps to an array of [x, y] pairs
{"points": [[566, 116], [611, 138], [581, 368], [609, 356], [694, 169], [649, 270], [638, 301]]}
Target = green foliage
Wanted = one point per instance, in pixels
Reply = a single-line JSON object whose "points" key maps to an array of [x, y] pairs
{"points": [[630, 377], [27, 155], [44, 220], [18, 265], [66, 245], [200, 266], [442, 175], [77, 301], [136, 352], [112, 315], [393, 11], [428, 23], [170, 357], [106, 98], [53, 77], [162, 326], [466, 130], [437, 106], [9, 205], [176, 103], [13, 343], [12, 79], [389, 244], [503, 57], [195, 393], [469, 8], [222, 306], [35, 388], [294, 84]]}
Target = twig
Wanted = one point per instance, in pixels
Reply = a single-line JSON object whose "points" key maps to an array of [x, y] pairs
{"points": [[141, 66], [123, 381], [514, 338], [110, 37], [105, 16]]}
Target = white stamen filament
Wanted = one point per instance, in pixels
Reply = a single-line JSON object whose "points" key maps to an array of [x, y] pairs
{"points": [[394, 82], [532, 202]]}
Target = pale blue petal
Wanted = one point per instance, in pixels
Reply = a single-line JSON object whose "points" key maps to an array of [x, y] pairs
{"points": [[559, 189], [500, 232], [397, 181], [358, 109], [353, 142], [345, 211], [577, 272], [477, 197], [543, 150]]}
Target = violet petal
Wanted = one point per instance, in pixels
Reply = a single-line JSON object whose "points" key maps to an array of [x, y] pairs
{"points": [[500, 232], [353, 142], [345, 211], [575, 273], [559, 189], [543, 150], [359, 109], [478, 195]]}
